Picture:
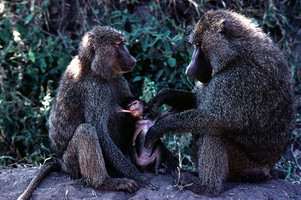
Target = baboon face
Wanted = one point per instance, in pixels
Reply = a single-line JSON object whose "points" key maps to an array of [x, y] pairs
{"points": [[199, 67], [124, 60], [103, 51], [136, 108], [218, 39]]}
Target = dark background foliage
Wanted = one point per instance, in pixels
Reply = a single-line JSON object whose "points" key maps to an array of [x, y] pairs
{"points": [[39, 38]]}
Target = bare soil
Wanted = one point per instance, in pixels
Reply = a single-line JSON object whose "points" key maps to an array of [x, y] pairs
{"points": [[13, 182]]}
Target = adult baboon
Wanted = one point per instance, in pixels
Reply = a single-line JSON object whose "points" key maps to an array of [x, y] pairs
{"points": [[242, 108], [85, 132]]}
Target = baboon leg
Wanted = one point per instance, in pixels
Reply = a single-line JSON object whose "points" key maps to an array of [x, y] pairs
{"points": [[243, 167], [169, 160], [84, 156], [158, 162], [211, 165]]}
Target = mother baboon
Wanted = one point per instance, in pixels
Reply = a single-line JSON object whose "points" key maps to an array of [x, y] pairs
{"points": [[85, 131], [241, 112]]}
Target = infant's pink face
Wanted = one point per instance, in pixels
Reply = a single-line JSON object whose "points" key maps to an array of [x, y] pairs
{"points": [[136, 108]]}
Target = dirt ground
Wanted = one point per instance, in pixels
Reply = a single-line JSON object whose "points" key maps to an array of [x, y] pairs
{"points": [[13, 182]]}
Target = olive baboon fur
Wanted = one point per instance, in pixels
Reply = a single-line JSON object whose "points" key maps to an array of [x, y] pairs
{"points": [[241, 111], [85, 131]]}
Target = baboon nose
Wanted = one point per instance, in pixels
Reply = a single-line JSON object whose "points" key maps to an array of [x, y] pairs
{"points": [[133, 61]]}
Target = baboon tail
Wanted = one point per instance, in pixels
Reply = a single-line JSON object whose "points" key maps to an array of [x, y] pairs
{"points": [[42, 173]]}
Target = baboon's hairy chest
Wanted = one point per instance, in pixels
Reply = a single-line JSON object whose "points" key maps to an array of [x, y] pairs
{"points": [[105, 95]]}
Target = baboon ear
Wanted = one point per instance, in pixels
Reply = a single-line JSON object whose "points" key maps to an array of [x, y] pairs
{"points": [[95, 64], [220, 25], [226, 29], [99, 68], [86, 51]]}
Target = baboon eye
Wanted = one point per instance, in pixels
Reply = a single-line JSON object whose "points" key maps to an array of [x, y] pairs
{"points": [[197, 44]]}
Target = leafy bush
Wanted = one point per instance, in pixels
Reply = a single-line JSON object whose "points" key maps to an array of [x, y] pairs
{"points": [[30, 61], [38, 39]]}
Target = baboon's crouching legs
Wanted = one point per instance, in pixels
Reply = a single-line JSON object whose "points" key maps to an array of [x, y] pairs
{"points": [[211, 165], [84, 157]]}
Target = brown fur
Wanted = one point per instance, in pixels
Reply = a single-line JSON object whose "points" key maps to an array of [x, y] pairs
{"points": [[84, 130], [242, 110]]}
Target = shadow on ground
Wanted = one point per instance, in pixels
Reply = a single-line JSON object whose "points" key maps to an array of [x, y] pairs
{"points": [[13, 182]]}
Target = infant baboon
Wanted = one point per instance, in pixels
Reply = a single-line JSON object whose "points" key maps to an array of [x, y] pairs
{"points": [[242, 109], [85, 132], [151, 157]]}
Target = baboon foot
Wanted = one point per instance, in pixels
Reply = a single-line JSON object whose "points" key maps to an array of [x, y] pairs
{"points": [[257, 175], [119, 184]]}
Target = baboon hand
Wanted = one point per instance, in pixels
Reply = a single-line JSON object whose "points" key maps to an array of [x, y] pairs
{"points": [[154, 104], [150, 111]]}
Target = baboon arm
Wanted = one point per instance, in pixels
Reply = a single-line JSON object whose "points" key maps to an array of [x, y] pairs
{"points": [[190, 121], [179, 99], [137, 132]]}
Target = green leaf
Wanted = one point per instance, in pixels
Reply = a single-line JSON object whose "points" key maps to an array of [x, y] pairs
{"points": [[6, 23], [172, 62], [159, 74], [31, 56], [137, 78], [144, 42], [159, 44], [166, 34], [43, 65], [115, 14], [96, 11], [153, 42], [166, 46], [28, 19], [19, 28], [4, 35], [136, 19]]}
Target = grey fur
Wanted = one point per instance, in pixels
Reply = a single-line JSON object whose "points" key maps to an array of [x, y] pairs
{"points": [[84, 130], [244, 115]]}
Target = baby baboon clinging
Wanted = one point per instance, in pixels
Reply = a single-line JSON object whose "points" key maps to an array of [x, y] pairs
{"points": [[151, 157], [244, 111]]}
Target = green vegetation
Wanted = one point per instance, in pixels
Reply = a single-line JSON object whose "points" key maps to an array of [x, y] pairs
{"points": [[38, 39]]}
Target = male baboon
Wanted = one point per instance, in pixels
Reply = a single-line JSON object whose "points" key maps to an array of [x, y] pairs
{"points": [[85, 131], [156, 154], [244, 104]]}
